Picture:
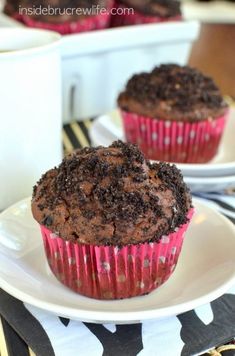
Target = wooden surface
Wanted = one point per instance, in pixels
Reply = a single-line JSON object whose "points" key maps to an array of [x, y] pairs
{"points": [[214, 54]]}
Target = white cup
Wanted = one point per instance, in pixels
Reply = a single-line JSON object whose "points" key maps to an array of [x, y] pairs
{"points": [[30, 109]]}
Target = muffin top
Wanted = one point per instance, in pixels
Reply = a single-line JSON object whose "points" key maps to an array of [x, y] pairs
{"points": [[111, 196], [173, 92], [163, 8]]}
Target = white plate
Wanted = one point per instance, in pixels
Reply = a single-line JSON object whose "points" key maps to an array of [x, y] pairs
{"points": [[206, 270], [210, 184], [108, 128]]}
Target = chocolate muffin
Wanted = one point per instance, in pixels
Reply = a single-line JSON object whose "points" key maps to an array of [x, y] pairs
{"points": [[178, 95], [162, 8], [116, 208], [136, 12], [63, 16], [172, 92], [111, 196]]}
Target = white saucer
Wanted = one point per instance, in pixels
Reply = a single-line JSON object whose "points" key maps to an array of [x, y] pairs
{"points": [[210, 184], [206, 270], [108, 128]]}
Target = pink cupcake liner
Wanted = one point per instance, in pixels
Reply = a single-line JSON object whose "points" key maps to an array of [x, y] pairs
{"points": [[90, 23], [108, 272], [174, 141], [123, 18]]}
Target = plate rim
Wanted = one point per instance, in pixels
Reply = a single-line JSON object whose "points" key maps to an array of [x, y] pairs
{"points": [[185, 167], [210, 180], [117, 317]]}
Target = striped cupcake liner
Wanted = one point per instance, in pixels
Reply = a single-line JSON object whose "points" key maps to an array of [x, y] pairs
{"points": [[108, 272], [174, 141]]}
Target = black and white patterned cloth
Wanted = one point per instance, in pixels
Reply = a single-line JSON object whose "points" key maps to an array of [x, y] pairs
{"points": [[191, 333]]}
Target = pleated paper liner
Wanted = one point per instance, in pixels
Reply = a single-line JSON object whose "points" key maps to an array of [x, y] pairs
{"points": [[174, 141], [109, 272], [125, 16]]}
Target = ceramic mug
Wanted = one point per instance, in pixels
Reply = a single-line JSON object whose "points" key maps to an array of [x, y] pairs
{"points": [[30, 109]]}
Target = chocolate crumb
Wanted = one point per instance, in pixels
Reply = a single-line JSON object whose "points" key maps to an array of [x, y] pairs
{"points": [[88, 214], [47, 221]]}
